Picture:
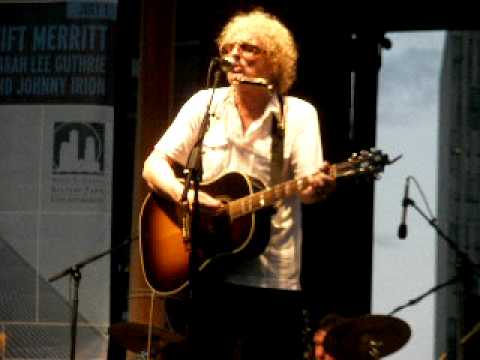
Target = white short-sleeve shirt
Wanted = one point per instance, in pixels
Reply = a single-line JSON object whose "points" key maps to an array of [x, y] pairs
{"points": [[227, 147]]}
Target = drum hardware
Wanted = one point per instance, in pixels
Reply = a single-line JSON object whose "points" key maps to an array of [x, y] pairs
{"points": [[368, 337]]}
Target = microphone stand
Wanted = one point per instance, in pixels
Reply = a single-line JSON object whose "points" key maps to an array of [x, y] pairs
{"points": [[434, 289], [464, 258], [465, 266], [193, 175], [74, 272]]}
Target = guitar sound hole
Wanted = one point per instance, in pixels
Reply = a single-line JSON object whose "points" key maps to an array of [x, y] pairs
{"points": [[215, 235]]}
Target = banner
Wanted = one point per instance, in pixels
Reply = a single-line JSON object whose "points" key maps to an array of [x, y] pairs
{"points": [[56, 124]]}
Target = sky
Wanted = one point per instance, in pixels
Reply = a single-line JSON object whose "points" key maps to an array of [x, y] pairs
{"points": [[407, 125]]}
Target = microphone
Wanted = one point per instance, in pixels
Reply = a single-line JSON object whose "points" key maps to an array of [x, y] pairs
{"points": [[402, 229], [226, 63]]}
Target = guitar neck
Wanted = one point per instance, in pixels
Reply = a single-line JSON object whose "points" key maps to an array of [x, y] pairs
{"points": [[269, 196]]}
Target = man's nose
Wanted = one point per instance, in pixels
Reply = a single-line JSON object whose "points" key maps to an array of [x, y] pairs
{"points": [[235, 50]]}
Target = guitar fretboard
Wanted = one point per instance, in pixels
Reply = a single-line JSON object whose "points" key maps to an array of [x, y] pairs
{"points": [[269, 196], [264, 198]]}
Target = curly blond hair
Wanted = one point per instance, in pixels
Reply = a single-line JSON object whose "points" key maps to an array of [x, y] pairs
{"points": [[276, 40]]}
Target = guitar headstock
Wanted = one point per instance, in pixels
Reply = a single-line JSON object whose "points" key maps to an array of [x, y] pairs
{"points": [[366, 163]]}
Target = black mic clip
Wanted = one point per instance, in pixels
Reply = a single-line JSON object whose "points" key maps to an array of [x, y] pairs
{"points": [[407, 202]]}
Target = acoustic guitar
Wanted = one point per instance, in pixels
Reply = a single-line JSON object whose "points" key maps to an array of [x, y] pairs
{"points": [[241, 228]]}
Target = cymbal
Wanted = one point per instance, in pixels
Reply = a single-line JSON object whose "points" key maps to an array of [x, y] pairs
{"points": [[134, 336], [367, 337]]}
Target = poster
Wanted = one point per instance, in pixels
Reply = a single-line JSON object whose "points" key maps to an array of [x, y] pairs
{"points": [[56, 124]]}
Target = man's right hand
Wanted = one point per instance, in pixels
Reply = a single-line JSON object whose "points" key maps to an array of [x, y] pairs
{"points": [[205, 201]]}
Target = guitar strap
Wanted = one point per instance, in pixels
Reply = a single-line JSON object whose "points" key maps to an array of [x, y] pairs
{"points": [[278, 136]]}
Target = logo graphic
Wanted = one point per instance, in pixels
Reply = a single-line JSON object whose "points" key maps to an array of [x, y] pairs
{"points": [[78, 148]]}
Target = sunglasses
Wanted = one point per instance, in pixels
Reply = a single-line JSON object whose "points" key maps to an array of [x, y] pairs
{"points": [[243, 47]]}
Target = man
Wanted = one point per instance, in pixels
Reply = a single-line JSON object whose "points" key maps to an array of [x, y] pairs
{"points": [[252, 306]]}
